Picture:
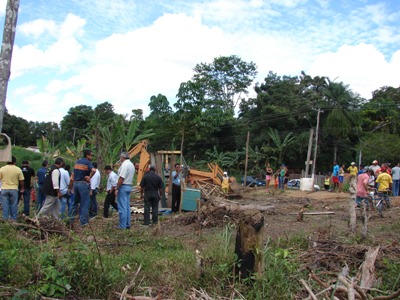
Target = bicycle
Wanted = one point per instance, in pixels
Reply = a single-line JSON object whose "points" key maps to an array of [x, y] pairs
{"points": [[379, 200]]}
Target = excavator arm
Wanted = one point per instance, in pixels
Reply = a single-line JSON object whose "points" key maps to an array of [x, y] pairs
{"points": [[144, 159]]}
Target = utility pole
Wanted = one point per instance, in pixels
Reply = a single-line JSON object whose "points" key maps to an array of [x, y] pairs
{"points": [[73, 138], [315, 147], [247, 158], [309, 152], [10, 25]]}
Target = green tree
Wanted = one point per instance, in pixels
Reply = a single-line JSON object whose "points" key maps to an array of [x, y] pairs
{"points": [[279, 146], [76, 124]]}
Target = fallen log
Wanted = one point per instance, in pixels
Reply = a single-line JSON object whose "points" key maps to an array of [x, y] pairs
{"points": [[316, 213], [367, 275]]}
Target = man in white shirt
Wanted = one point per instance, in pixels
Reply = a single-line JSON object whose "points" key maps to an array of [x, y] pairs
{"points": [[123, 191], [94, 186], [64, 182], [112, 180]]}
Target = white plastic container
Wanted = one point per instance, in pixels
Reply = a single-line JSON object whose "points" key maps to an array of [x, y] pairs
{"points": [[306, 184]]}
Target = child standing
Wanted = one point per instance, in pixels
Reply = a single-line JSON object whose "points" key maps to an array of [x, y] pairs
{"points": [[327, 182]]}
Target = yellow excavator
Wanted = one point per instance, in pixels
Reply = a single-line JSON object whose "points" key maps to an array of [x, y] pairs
{"points": [[144, 159]]}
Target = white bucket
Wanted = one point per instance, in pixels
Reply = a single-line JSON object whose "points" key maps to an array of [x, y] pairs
{"points": [[306, 184]]}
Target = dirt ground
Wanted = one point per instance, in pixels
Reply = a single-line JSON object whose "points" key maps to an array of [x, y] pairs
{"points": [[281, 219]]}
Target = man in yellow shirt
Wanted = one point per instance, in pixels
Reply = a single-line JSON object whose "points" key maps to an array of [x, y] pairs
{"points": [[385, 181], [353, 170], [11, 177]]}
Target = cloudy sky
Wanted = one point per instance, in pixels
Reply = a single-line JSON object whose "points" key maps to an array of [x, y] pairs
{"points": [[74, 52]]}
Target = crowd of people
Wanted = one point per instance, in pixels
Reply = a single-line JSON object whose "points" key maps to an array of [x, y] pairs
{"points": [[69, 193]]}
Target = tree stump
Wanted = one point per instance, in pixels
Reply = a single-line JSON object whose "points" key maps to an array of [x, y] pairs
{"points": [[249, 246]]}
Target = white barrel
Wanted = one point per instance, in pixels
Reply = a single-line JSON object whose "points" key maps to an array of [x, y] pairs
{"points": [[306, 184]]}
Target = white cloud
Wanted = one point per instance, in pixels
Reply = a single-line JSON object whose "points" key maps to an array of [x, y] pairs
{"points": [[59, 55], [37, 28], [3, 5], [363, 67]]}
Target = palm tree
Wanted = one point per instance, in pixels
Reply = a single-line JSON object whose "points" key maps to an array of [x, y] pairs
{"points": [[280, 145], [338, 123]]}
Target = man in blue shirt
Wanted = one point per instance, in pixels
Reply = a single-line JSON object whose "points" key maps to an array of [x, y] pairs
{"points": [[335, 176], [83, 171], [176, 189], [41, 174]]}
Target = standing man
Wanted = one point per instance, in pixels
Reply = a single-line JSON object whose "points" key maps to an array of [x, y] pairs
{"points": [[51, 188], [396, 179], [353, 170], [11, 177], [362, 186], [335, 176], [176, 188], [384, 180], [123, 191], [152, 188], [375, 167], [29, 175], [41, 174], [94, 187], [112, 180], [83, 171], [64, 183]]}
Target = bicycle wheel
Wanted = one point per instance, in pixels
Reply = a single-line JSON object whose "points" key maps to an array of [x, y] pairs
{"points": [[379, 207]]}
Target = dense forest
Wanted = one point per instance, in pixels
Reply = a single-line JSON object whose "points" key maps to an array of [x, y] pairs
{"points": [[213, 115]]}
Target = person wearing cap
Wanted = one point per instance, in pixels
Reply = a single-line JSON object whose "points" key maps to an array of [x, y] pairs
{"points": [[225, 183], [123, 190], [29, 175], [353, 170], [375, 167], [396, 179], [11, 177], [83, 171], [151, 189], [384, 181], [112, 180]]}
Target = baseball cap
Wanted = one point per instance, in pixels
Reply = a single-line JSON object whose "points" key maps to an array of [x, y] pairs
{"points": [[353, 163], [375, 161], [366, 168]]}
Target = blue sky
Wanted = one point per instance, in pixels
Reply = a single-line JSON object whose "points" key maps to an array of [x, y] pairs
{"points": [[74, 52]]}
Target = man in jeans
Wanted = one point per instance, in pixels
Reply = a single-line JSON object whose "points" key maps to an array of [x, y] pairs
{"points": [[11, 177], [123, 191], [29, 174], [41, 174], [151, 186], [396, 179], [83, 171]]}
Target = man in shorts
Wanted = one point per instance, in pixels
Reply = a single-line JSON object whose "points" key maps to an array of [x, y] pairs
{"points": [[335, 176]]}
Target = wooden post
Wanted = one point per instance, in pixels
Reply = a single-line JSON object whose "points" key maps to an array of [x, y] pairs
{"points": [[180, 174], [249, 245], [247, 158]]}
